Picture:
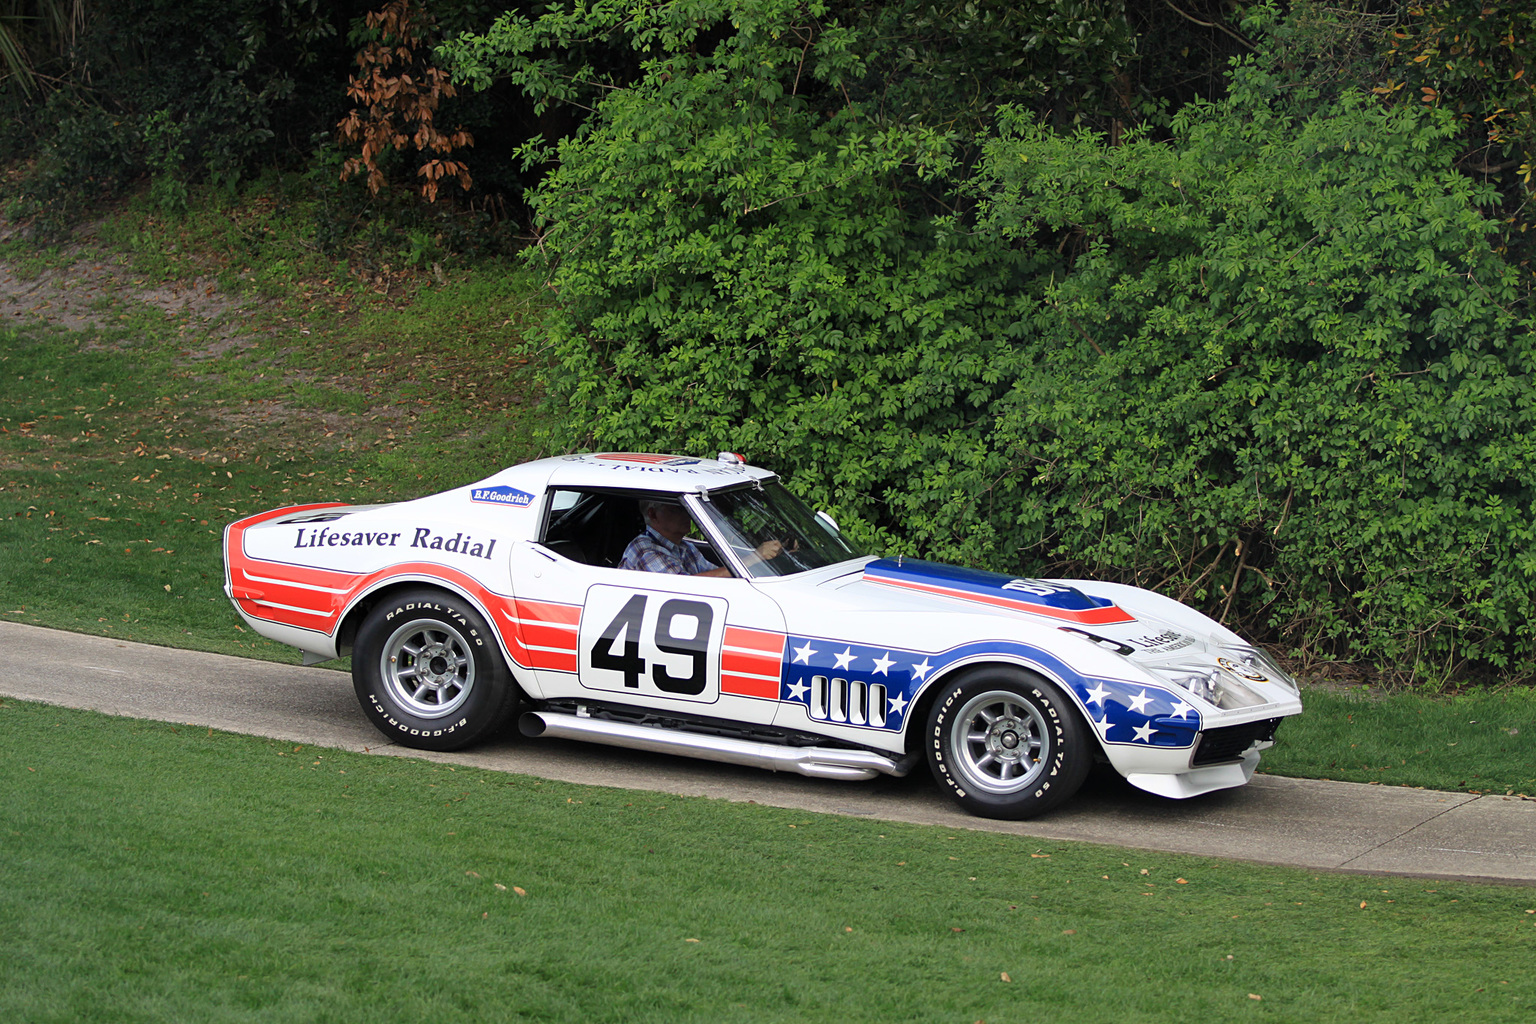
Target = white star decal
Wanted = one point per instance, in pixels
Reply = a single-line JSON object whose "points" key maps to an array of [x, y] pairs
{"points": [[1097, 694], [846, 658], [921, 670], [803, 654], [883, 664], [1104, 725], [1139, 703], [1144, 733], [898, 705], [797, 690], [1182, 710]]}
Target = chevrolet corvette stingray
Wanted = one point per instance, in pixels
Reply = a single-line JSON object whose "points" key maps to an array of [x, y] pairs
{"points": [[504, 600]]}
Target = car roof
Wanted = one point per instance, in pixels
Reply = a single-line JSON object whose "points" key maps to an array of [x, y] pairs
{"points": [[646, 471]]}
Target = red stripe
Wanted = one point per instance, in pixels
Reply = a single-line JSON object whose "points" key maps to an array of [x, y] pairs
{"points": [[635, 457], [756, 639], [301, 597], [554, 661], [255, 580], [752, 664], [744, 686], [247, 591], [539, 635], [514, 643], [543, 611], [1088, 617]]}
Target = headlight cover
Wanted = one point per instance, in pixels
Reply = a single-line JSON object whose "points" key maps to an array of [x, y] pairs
{"points": [[1227, 680], [1256, 666]]}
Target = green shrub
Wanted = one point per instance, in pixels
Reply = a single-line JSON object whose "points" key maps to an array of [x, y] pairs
{"points": [[178, 91], [186, 92], [1281, 373], [1270, 364]]}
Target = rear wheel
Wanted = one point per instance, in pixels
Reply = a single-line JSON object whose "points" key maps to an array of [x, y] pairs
{"points": [[1007, 744], [429, 674]]}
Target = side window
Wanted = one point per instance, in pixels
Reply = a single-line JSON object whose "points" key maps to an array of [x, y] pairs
{"points": [[589, 527], [595, 528]]}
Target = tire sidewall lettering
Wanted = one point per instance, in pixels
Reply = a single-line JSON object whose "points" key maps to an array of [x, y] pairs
{"points": [[488, 703], [1057, 731], [470, 632], [395, 723]]}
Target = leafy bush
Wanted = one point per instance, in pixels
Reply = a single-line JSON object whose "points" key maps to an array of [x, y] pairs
{"points": [[1473, 59], [182, 91], [1270, 364], [1282, 374], [186, 92]]}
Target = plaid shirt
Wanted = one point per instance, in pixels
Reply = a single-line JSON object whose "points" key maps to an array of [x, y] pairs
{"points": [[651, 552]]}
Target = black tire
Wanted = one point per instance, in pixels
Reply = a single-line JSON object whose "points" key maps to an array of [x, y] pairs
{"points": [[429, 673], [1007, 744]]}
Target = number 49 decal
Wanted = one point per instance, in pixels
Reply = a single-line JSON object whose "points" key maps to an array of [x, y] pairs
{"points": [[652, 643]]}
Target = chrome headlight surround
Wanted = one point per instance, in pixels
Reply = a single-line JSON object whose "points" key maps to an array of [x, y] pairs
{"points": [[1204, 681]]}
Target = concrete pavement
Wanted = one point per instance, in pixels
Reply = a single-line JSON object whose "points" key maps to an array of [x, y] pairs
{"points": [[1334, 826]]}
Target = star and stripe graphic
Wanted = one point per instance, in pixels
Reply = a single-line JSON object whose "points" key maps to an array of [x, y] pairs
{"points": [[829, 676], [853, 684], [1139, 715]]}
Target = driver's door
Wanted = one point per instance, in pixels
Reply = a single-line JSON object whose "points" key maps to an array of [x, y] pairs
{"points": [[702, 646]]}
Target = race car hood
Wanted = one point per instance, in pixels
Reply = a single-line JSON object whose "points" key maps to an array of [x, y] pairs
{"points": [[1007, 593], [1173, 642]]}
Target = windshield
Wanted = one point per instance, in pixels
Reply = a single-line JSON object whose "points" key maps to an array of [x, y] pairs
{"points": [[749, 517]]}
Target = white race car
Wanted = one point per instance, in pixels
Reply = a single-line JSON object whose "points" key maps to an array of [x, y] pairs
{"points": [[799, 653]]}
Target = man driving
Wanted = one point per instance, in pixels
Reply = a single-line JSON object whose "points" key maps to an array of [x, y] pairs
{"points": [[661, 547]]}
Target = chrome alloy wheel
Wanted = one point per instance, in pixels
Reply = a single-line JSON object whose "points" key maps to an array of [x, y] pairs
{"points": [[427, 668], [999, 742]]}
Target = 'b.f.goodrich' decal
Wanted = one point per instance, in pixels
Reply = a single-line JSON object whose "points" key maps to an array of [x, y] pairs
{"points": [[653, 643], [501, 495]]}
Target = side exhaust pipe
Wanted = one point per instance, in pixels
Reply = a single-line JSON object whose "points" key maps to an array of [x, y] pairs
{"points": [[817, 762]]}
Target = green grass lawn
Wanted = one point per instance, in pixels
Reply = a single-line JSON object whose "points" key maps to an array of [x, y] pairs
{"points": [[1483, 741], [151, 873], [126, 446]]}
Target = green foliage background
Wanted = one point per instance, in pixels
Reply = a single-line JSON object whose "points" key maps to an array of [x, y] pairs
{"points": [[1265, 355], [98, 97]]}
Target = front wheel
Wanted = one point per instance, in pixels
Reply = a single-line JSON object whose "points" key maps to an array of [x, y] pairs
{"points": [[1006, 744], [429, 674]]}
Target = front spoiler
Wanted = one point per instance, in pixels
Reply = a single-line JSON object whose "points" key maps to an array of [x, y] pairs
{"points": [[1197, 781]]}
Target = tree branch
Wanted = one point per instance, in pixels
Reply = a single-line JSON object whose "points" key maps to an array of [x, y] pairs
{"points": [[1209, 24]]}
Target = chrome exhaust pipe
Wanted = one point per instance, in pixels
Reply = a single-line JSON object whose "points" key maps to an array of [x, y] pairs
{"points": [[817, 762]]}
